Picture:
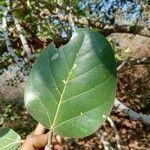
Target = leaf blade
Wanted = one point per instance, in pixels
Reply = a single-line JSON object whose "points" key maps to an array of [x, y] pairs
{"points": [[89, 72], [9, 139]]}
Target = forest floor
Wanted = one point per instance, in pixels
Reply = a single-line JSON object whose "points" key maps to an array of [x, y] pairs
{"points": [[133, 90]]}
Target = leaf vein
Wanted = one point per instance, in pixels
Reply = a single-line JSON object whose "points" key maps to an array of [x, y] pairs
{"points": [[87, 90], [85, 72], [80, 114], [42, 104], [44, 108], [49, 90], [54, 79], [86, 54], [9, 145], [65, 60]]}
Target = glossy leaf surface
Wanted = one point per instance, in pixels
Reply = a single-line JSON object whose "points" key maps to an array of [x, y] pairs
{"points": [[72, 88], [9, 139]]}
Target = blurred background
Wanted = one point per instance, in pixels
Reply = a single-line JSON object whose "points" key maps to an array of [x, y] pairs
{"points": [[28, 26]]}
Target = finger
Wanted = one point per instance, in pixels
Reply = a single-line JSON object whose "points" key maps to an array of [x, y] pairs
{"points": [[58, 147], [58, 138], [35, 142], [27, 145], [57, 143], [40, 129], [39, 141]]}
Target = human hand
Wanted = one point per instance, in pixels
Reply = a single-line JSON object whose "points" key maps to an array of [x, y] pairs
{"points": [[38, 142]]}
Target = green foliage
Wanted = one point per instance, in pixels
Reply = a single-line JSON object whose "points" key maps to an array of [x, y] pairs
{"points": [[21, 13], [21, 10], [71, 90], [2, 3], [9, 139]]}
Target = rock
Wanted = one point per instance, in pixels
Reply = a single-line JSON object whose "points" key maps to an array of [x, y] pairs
{"points": [[12, 85], [12, 93], [138, 45]]}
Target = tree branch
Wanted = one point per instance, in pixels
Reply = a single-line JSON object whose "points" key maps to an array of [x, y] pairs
{"points": [[132, 62], [70, 17], [132, 114], [139, 61], [22, 37], [122, 64], [116, 132], [106, 29], [6, 35]]}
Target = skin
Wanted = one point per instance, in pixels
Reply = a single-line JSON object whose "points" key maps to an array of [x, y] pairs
{"points": [[38, 142]]}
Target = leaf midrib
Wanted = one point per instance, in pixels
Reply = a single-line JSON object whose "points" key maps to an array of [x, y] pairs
{"points": [[66, 83]]}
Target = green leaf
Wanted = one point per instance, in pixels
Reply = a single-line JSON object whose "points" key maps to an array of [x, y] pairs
{"points": [[2, 3], [21, 13], [9, 139], [71, 89]]}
